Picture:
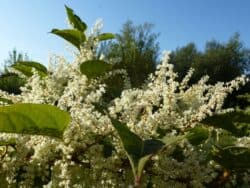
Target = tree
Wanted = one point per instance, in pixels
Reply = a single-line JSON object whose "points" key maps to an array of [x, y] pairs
{"points": [[183, 58], [137, 49], [14, 57], [11, 82], [222, 62]]}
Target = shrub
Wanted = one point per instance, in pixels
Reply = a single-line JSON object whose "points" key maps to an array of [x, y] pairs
{"points": [[164, 134]]}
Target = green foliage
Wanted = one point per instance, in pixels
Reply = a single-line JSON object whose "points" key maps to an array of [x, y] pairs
{"points": [[233, 158], [105, 36], [222, 62], [184, 58], [237, 122], [234, 124], [197, 135], [138, 151], [137, 46], [138, 50], [73, 36], [75, 21], [11, 83], [76, 36], [226, 152], [26, 67], [95, 68], [38, 119]]}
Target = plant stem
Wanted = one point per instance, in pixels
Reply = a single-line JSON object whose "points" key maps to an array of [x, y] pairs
{"points": [[137, 181]]}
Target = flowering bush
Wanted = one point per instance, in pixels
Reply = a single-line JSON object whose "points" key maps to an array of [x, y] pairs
{"points": [[158, 135]]}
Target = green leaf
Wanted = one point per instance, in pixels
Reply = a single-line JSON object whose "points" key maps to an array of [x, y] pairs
{"points": [[169, 140], [138, 151], [95, 68], [38, 119], [105, 36], [233, 158], [225, 139], [197, 135], [75, 21], [151, 147], [26, 67], [237, 122], [132, 143], [73, 36]]}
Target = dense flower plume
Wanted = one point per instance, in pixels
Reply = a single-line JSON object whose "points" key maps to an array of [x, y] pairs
{"points": [[91, 153]]}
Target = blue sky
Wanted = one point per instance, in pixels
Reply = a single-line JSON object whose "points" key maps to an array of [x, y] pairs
{"points": [[25, 24]]}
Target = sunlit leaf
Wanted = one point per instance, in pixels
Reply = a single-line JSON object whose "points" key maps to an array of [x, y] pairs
{"points": [[40, 119], [105, 36], [73, 36], [26, 67], [75, 21], [95, 68]]}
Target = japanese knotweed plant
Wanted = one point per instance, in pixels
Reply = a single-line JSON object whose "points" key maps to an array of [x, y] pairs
{"points": [[80, 124]]}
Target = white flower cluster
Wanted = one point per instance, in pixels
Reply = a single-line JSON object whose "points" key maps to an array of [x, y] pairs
{"points": [[79, 160]]}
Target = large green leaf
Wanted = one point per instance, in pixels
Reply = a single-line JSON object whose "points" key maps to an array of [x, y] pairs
{"points": [[95, 68], [40, 119], [75, 21], [73, 36], [233, 158], [132, 143], [105, 36], [237, 122], [138, 151], [26, 67], [197, 135]]}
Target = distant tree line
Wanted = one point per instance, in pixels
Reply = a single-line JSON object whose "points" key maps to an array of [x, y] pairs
{"points": [[9, 81], [220, 61]]}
